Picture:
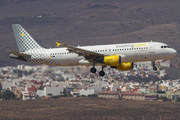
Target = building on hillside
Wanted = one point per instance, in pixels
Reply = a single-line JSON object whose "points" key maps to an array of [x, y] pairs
{"points": [[113, 87], [28, 96], [7, 85], [29, 92], [96, 89], [108, 95], [133, 96], [41, 93], [150, 97], [125, 88], [75, 93], [87, 92], [53, 91], [163, 88]]}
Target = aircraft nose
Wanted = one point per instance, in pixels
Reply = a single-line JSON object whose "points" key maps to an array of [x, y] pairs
{"points": [[173, 52]]}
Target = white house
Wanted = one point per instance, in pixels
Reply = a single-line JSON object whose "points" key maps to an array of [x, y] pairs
{"points": [[53, 90], [114, 87], [96, 88], [40, 93], [87, 92], [7, 85]]}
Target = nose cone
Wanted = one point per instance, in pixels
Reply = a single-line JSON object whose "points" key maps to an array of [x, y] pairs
{"points": [[173, 52]]}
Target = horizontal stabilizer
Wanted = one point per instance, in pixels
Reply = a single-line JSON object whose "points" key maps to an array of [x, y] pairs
{"points": [[19, 54]]}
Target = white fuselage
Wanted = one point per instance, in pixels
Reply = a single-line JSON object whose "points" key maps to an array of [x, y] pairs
{"points": [[129, 52]]}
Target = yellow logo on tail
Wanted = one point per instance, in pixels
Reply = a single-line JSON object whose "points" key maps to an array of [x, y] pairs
{"points": [[58, 44]]}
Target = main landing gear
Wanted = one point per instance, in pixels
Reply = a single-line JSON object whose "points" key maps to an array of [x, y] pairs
{"points": [[154, 65], [93, 70], [101, 73]]}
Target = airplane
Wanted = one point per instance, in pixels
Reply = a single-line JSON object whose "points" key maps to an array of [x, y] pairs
{"points": [[118, 56]]}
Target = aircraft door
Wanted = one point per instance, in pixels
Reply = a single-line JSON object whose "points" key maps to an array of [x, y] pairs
{"points": [[152, 47]]}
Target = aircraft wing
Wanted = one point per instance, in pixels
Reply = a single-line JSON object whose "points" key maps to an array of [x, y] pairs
{"points": [[82, 52], [19, 54]]}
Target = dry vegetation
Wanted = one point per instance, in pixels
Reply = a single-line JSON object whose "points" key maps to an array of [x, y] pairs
{"points": [[89, 108]]}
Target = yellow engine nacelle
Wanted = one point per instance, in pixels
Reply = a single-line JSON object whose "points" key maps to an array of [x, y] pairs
{"points": [[113, 60], [125, 66]]}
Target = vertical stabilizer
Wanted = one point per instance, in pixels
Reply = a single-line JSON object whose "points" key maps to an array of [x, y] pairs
{"points": [[24, 40]]}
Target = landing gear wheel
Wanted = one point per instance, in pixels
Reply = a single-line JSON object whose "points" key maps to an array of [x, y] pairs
{"points": [[93, 70], [154, 65], [154, 68], [101, 73]]}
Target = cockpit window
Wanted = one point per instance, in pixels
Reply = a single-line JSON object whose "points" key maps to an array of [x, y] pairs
{"points": [[165, 47]]}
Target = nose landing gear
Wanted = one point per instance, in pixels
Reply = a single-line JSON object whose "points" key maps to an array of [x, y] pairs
{"points": [[154, 65]]}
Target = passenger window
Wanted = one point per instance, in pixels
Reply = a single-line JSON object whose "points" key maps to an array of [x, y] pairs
{"points": [[161, 46], [132, 48], [146, 47], [129, 48]]}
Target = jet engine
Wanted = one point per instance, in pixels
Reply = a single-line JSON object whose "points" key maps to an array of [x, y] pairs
{"points": [[115, 62], [112, 60], [125, 66]]}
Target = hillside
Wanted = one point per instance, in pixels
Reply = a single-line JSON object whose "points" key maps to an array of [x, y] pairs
{"points": [[90, 22], [89, 108]]}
